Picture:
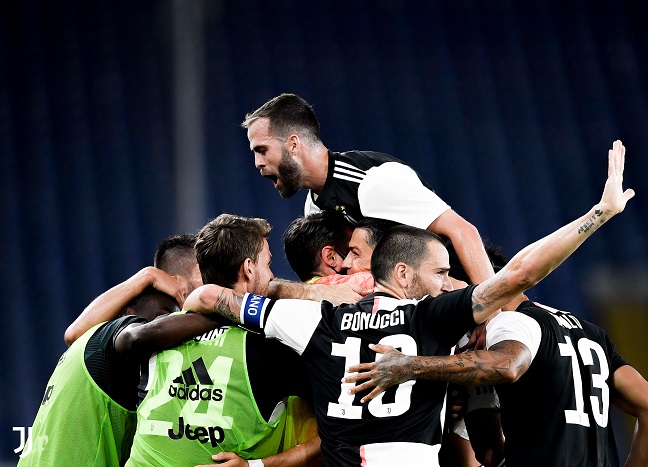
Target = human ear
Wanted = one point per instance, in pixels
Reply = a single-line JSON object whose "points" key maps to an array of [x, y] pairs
{"points": [[329, 256]]}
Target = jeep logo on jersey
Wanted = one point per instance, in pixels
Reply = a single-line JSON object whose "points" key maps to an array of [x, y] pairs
{"points": [[214, 434], [188, 378]]}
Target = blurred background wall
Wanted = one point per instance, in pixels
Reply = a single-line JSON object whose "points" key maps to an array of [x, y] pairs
{"points": [[119, 125]]}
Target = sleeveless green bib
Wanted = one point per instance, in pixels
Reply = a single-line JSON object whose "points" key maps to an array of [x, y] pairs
{"points": [[77, 423], [200, 403]]}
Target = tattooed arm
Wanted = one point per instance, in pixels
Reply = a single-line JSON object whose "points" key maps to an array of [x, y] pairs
{"points": [[537, 260], [212, 298], [505, 362]]}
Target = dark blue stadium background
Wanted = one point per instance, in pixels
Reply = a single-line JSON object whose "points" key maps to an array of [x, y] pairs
{"points": [[506, 107]]}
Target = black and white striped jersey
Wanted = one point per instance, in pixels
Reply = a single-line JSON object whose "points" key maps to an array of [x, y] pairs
{"points": [[404, 425], [557, 413], [371, 184]]}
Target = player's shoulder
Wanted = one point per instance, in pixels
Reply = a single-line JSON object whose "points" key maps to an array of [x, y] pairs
{"points": [[117, 325], [364, 160]]}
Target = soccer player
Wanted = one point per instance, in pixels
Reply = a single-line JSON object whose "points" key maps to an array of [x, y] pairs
{"points": [[316, 246], [556, 376], [174, 272], [402, 427], [224, 393], [87, 414], [362, 243], [284, 137]]}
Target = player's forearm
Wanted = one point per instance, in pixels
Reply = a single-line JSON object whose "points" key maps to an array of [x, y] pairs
{"points": [[534, 262], [336, 294], [164, 332], [280, 288], [638, 456], [212, 298], [537, 260], [303, 455], [472, 255], [472, 368], [109, 304]]}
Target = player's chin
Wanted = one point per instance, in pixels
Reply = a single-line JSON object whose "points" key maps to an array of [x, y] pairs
{"points": [[286, 191]]}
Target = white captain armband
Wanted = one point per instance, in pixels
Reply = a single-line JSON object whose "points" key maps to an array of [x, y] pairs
{"points": [[253, 310], [255, 463]]}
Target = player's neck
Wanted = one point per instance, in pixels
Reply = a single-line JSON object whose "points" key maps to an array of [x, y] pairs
{"points": [[315, 168], [390, 289]]}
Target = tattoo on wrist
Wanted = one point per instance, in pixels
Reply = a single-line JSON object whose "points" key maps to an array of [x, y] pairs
{"points": [[589, 224]]}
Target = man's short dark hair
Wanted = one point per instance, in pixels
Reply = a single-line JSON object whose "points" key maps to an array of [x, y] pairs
{"points": [[225, 242], [175, 255], [374, 229], [306, 236], [287, 114], [402, 243], [140, 302]]}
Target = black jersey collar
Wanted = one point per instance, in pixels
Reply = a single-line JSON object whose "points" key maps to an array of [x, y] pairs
{"points": [[324, 192]]}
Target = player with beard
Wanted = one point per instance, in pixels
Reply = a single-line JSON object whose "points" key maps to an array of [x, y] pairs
{"points": [[414, 309], [284, 137], [226, 395]]}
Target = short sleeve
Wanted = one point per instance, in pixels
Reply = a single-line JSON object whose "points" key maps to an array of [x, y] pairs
{"points": [[290, 321], [393, 191], [448, 316], [103, 340], [309, 206], [514, 326], [616, 360]]}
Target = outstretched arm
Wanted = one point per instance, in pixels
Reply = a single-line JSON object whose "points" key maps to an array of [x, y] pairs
{"points": [[631, 396], [505, 362], [109, 304], [537, 260]]}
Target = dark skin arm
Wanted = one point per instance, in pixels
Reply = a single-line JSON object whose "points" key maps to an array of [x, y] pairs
{"points": [[303, 455], [140, 339], [631, 395], [504, 363]]}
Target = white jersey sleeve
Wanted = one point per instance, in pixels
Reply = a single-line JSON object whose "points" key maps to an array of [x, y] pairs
{"points": [[290, 321], [309, 206], [514, 326], [393, 191]]}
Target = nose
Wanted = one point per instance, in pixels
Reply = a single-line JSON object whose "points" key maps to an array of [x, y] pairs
{"points": [[259, 161], [346, 264], [447, 285]]}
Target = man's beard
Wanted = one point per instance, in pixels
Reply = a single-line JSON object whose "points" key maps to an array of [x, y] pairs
{"points": [[290, 174]]}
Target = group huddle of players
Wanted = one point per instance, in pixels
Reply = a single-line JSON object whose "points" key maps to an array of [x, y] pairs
{"points": [[354, 368]]}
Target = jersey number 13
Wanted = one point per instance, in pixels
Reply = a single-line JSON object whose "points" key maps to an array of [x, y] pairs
{"points": [[600, 407]]}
